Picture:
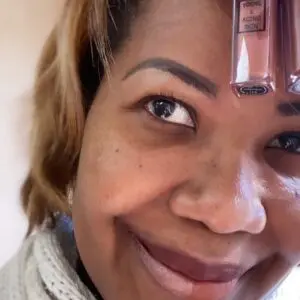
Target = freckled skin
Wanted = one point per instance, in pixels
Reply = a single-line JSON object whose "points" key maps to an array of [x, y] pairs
{"points": [[216, 192]]}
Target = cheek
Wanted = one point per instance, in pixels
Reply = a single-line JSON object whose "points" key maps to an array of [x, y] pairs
{"points": [[284, 217], [117, 178], [286, 223]]}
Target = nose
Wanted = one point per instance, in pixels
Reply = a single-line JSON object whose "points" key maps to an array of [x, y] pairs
{"points": [[226, 202]]}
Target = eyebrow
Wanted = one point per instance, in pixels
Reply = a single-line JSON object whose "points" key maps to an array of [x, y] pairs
{"points": [[182, 72], [289, 108], [200, 82]]}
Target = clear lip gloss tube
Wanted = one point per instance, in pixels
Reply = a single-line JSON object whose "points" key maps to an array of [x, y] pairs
{"points": [[254, 47], [291, 43]]}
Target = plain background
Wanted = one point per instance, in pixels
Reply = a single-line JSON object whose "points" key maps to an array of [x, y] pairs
{"points": [[24, 26]]}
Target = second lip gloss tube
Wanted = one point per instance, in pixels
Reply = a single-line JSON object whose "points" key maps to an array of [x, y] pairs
{"points": [[254, 47], [291, 43]]}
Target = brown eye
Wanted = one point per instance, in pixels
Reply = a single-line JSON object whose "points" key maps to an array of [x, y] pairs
{"points": [[163, 108], [286, 142], [170, 111]]}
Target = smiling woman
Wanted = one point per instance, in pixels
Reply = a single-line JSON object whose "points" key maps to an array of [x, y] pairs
{"points": [[150, 178]]}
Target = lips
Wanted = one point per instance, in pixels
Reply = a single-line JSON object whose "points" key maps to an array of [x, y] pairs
{"points": [[190, 267]]}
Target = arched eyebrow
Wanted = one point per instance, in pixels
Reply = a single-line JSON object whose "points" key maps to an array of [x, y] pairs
{"points": [[289, 108], [202, 83], [180, 71]]}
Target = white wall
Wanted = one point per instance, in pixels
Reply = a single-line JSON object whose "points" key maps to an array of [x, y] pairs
{"points": [[24, 25]]}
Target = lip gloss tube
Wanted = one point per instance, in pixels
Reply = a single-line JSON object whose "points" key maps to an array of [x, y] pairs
{"points": [[254, 47], [291, 43]]}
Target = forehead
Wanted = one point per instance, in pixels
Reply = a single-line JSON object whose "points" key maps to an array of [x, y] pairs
{"points": [[171, 11], [195, 32]]}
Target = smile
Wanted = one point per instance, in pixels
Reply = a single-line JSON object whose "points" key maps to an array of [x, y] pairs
{"points": [[185, 276]]}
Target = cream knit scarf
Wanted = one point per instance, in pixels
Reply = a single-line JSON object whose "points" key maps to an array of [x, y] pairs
{"points": [[44, 269]]}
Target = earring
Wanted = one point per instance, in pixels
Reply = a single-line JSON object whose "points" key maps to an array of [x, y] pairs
{"points": [[70, 196]]}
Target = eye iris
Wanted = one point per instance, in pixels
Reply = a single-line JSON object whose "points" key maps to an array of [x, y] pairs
{"points": [[163, 108], [290, 143]]}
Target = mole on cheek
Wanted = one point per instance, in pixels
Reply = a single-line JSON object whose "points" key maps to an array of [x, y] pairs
{"points": [[117, 150]]}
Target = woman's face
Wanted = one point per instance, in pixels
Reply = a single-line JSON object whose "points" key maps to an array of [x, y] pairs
{"points": [[185, 191]]}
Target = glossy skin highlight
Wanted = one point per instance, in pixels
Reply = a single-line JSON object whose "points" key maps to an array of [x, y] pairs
{"points": [[215, 185]]}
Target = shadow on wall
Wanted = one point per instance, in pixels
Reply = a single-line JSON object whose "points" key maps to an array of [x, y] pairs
{"points": [[24, 26], [14, 132]]}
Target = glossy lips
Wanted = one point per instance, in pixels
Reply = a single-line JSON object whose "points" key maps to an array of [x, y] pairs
{"points": [[192, 268], [185, 276]]}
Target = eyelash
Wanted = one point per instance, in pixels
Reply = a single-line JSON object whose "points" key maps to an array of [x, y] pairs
{"points": [[275, 142], [193, 115], [171, 98]]}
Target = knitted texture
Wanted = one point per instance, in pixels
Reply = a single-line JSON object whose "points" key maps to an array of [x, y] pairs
{"points": [[40, 271]]}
